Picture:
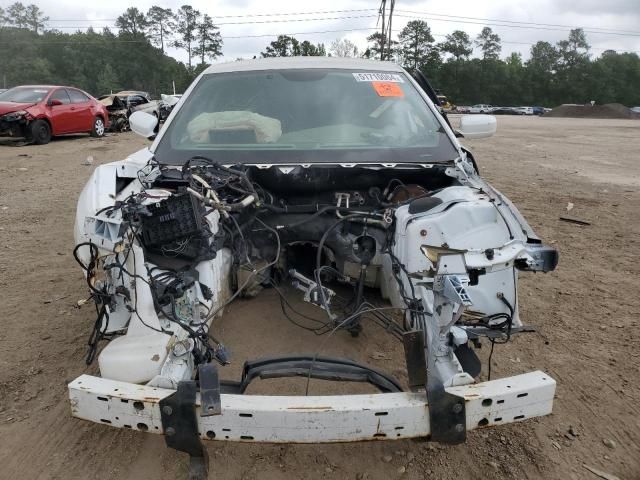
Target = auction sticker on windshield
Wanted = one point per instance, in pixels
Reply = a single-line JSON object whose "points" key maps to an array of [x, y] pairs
{"points": [[378, 77], [387, 89]]}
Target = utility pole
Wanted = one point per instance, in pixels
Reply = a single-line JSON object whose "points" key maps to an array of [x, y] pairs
{"points": [[385, 33], [391, 7], [382, 13]]}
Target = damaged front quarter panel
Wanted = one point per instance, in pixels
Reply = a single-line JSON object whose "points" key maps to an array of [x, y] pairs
{"points": [[15, 124]]}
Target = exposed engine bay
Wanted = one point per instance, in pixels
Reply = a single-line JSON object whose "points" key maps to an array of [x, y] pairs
{"points": [[428, 252], [358, 212]]}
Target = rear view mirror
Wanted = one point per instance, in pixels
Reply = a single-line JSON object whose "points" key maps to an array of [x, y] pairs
{"points": [[143, 124], [477, 126]]}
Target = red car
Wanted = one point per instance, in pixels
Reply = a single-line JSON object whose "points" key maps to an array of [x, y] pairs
{"points": [[38, 112]]}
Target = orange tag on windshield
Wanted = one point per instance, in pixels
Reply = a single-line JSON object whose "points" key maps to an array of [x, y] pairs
{"points": [[387, 89]]}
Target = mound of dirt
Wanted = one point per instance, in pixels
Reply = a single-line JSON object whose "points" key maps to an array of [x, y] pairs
{"points": [[609, 110]]}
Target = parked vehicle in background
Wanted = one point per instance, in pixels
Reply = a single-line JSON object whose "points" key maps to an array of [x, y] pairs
{"points": [[525, 110], [481, 108], [635, 109], [445, 104], [506, 111], [461, 109], [118, 112], [167, 102], [137, 101], [538, 110], [38, 112], [2, 90]]}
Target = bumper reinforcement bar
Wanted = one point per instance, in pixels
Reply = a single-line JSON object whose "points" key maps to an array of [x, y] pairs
{"points": [[313, 419]]}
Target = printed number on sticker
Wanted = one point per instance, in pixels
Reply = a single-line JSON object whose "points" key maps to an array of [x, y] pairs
{"points": [[378, 77]]}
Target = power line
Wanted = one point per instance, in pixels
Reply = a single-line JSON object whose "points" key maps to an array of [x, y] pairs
{"points": [[433, 19], [236, 16], [295, 13], [297, 33], [296, 20], [515, 21], [450, 18], [254, 22], [225, 37], [427, 15], [514, 26]]}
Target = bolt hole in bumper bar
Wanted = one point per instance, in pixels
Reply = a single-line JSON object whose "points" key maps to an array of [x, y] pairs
{"points": [[314, 419]]}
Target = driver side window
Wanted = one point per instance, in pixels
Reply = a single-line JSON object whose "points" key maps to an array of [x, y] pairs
{"points": [[61, 94]]}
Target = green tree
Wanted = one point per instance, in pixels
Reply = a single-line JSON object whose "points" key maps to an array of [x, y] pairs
{"points": [[544, 58], [308, 49], [17, 15], [457, 44], [161, 25], [208, 40], [283, 46], [573, 68], [374, 48], [187, 19], [515, 80], [615, 78], [574, 50], [35, 18], [94, 61], [107, 80], [3, 17], [133, 22], [343, 48], [489, 43], [417, 47]]}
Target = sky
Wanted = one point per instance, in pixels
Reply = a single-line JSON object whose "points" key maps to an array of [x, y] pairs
{"points": [[610, 24]]}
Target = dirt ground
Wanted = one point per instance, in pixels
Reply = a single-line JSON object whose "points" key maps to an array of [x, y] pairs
{"points": [[587, 314]]}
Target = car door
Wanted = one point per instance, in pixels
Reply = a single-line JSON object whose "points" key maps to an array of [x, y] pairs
{"points": [[81, 106], [60, 115]]}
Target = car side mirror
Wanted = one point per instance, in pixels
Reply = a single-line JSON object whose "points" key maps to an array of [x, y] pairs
{"points": [[477, 126], [143, 124], [54, 102]]}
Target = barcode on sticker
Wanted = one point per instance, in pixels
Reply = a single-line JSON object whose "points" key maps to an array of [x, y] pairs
{"points": [[378, 77]]}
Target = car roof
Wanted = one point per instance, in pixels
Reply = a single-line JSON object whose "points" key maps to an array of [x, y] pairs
{"points": [[277, 63], [41, 86]]}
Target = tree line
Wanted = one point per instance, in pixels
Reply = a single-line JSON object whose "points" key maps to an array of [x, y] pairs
{"points": [[565, 72], [135, 57]]}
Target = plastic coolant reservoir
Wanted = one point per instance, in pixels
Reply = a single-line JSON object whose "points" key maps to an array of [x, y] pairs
{"points": [[134, 359]]}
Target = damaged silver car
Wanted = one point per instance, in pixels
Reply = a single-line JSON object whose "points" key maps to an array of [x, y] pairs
{"points": [[331, 176]]}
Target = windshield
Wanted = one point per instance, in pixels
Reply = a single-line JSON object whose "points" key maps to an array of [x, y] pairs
{"points": [[24, 95], [315, 115]]}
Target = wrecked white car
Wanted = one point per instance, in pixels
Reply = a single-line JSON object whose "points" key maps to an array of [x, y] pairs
{"points": [[328, 174]]}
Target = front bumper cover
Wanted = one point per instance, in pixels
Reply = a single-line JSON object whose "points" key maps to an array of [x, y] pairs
{"points": [[14, 127], [313, 419]]}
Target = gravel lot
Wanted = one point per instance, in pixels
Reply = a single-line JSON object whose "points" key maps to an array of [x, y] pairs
{"points": [[586, 312]]}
